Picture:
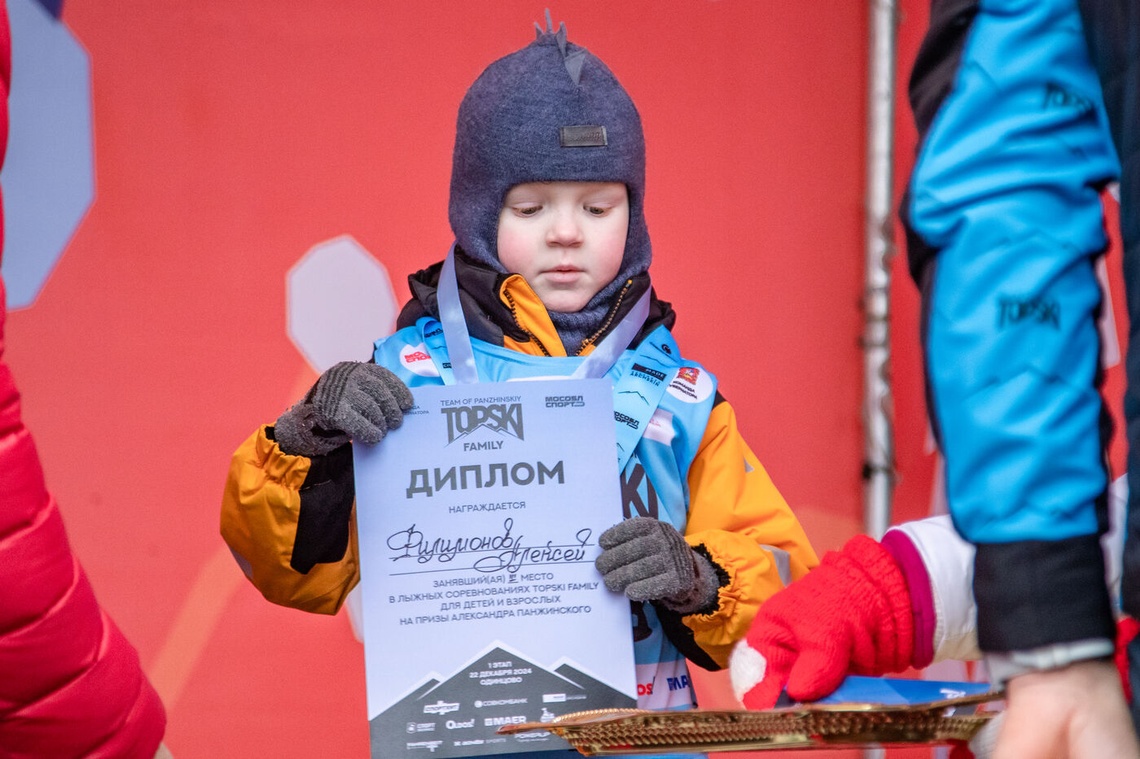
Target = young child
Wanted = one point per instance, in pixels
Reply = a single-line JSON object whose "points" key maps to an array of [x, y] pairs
{"points": [[551, 255]]}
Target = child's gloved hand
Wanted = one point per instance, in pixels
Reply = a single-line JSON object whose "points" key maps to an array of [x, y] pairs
{"points": [[350, 401], [850, 615], [648, 560]]}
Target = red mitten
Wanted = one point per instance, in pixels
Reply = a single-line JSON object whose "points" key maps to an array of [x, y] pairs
{"points": [[851, 614]]}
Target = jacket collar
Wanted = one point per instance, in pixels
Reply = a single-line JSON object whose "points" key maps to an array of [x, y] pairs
{"points": [[502, 309]]}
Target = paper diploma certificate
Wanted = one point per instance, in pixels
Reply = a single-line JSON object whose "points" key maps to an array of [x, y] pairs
{"points": [[478, 528]]}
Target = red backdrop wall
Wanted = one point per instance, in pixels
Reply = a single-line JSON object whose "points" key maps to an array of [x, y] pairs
{"points": [[230, 138]]}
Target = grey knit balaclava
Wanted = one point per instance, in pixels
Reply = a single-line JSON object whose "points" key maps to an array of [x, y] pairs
{"points": [[552, 112]]}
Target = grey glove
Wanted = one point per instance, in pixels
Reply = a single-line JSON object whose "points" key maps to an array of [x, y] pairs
{"points": [[350, 401], [648, 560]]}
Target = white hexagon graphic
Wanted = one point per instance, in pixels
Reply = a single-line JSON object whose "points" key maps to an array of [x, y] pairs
{"points": [[339, 301], [49, 173]]}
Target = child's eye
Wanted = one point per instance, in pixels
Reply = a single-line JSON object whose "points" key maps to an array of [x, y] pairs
{"points": [[527, 210], [596, 210]]}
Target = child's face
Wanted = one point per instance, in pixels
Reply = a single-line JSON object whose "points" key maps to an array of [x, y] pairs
{"points": [[566, 238]]}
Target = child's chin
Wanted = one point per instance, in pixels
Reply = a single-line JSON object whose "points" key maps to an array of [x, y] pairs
{"points": [[563, 305]]}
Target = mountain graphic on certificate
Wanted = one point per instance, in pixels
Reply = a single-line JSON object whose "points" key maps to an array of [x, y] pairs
{"points": [[460, 716]]}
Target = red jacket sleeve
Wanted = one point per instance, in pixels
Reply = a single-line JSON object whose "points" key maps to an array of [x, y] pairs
{"points": [[70, 683]]}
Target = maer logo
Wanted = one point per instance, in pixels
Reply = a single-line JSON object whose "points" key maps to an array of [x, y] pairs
{"points": [[645, 372], [505, 418], [516, 719]]}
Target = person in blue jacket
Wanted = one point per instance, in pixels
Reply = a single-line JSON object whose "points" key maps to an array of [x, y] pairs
{"points": [[1017, 104], [1027, 111]]}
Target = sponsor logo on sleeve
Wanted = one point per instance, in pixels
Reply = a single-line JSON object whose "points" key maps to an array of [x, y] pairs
{"points": [[416, 360], [628, 421], [691, 384], [563, 401], [1043, 311], [652, 376], [1058, 96]]}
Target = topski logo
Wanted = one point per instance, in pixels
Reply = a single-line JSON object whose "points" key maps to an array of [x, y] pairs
{"points": [[1057, 96], [504, 418]]}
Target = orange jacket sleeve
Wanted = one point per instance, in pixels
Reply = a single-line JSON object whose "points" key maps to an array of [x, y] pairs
{"points": [[261, 510], [738, 518]]}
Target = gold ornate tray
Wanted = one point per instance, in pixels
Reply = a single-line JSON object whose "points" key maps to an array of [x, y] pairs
{"points": [[611, 732]]}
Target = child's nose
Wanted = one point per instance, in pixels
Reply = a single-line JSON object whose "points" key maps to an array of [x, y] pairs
{"points": [[564, 230]]}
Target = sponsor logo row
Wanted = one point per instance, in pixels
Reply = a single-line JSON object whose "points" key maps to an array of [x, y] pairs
{"points": [[442, 707]]}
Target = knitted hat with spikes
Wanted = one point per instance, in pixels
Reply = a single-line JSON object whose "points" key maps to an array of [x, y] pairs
{"points": [[549, 112]]}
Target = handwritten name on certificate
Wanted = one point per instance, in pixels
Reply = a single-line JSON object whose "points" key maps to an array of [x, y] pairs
{"points": [[481, 607]]}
